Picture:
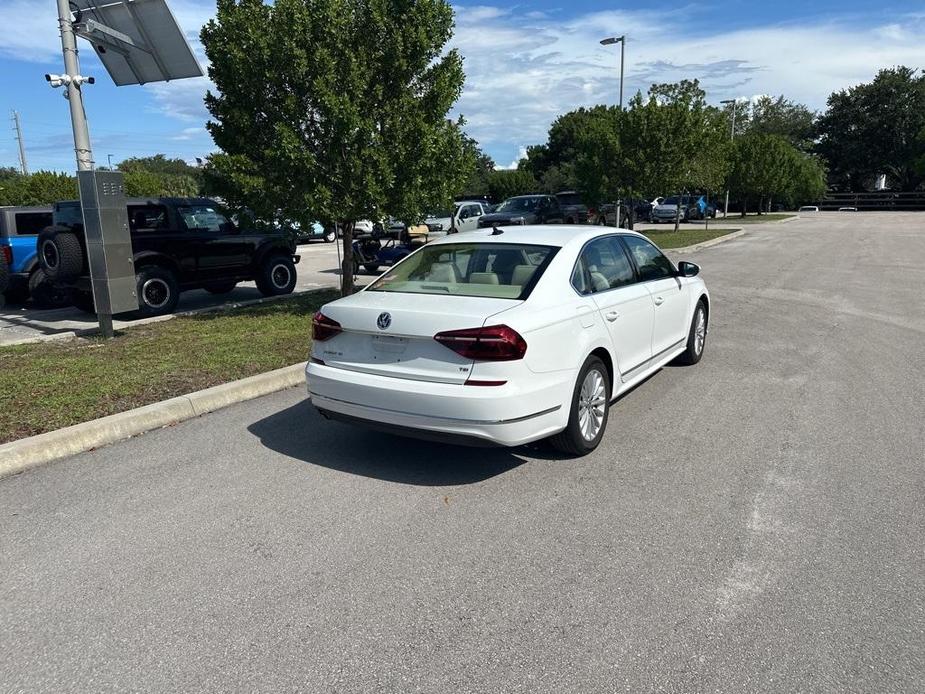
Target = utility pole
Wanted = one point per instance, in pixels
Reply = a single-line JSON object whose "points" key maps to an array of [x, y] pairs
{"points": [[732, 137], [609, 42], [17, 126], [73, 80]]}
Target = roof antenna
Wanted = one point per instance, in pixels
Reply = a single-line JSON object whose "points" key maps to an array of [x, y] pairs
{"points": [[496, 231]]}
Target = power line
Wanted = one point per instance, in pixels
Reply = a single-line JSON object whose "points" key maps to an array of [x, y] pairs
{"points": [[17, 128]]}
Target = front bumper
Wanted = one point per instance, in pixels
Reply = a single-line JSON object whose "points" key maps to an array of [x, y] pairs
{"points": [[488, 415]]}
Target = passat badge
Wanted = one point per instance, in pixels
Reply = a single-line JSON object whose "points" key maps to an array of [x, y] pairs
{"points": [[384, 320]]}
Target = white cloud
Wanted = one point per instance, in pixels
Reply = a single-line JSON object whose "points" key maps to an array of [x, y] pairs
{"points": [[521, 154], [524, 68]]}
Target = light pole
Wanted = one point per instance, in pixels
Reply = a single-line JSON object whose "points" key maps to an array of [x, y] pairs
{"points": [[622, 41], [609, 42], [109, 159], [732, 136]]}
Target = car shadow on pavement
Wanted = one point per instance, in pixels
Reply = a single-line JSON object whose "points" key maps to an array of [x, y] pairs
{"points": [[301, 433]]}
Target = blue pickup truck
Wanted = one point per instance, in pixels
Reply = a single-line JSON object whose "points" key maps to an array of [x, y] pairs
{"points": [[19, 229]]}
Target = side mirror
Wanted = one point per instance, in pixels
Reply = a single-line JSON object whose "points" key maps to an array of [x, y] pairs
{"points": [[228, 228], [464, 214], [686, 269]]}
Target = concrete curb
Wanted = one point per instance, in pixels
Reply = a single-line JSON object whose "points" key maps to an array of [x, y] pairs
{"points": [[706, 244], [18, 456]]}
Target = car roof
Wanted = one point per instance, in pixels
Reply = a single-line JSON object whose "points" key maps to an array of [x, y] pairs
{"points": [[559, 235]]}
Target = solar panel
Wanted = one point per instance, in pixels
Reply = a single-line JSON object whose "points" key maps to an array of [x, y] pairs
{"points": [[138, 41]]}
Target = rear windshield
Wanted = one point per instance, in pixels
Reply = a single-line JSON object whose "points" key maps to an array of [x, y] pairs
{"points": [[569, 198], [491, 270]]}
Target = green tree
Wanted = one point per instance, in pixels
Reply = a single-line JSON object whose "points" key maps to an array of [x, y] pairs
{"points": [[876, 128], [762, 165], [476, 184], [335, 109], [792, 121], [506, 183], [39, 188]]}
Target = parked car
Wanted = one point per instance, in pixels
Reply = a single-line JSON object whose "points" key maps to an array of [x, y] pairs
{"points": [[5, 256], [525, 209], [314, 232], [506, 338], [19, 230], [464, 216], [178, 244], [693, 206], [574, 211]]}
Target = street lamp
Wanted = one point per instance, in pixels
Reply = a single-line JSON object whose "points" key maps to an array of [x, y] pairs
{"points": [[109, 159], [622, 41], [732, 136]]}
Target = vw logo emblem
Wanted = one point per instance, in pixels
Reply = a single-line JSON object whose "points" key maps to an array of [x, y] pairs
{"points": [[384, 320]]}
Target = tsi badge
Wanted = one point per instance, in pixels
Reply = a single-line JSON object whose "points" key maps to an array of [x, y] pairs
{"points": [[384, 320]]}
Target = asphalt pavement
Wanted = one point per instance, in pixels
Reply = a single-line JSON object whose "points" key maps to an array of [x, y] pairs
{"points": [[754, 523]]}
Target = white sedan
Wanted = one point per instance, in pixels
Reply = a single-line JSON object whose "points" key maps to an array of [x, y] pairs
{"points": [[509, 335]]}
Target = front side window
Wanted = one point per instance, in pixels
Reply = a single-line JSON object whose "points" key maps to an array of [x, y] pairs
{"points": [[651, 262], [602, 265], [496, 270], [202, 217]]}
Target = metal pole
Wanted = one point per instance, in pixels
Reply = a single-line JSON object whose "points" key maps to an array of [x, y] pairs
{"points": [[732, 137], [74, 95], [23, 166], [109, 160], [622, 46]]}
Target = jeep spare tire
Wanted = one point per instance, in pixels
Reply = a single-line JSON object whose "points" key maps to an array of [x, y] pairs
{"points": [[60, 255]]}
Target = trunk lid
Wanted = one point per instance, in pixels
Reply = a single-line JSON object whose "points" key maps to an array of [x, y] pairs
{"points": [[405, 346]]}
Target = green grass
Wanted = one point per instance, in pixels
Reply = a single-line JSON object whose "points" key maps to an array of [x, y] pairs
{"points": [[685, 236], [47, 386], [736, 218]]}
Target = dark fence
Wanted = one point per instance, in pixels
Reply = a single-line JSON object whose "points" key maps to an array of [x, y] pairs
{"points": [[883, 201]]}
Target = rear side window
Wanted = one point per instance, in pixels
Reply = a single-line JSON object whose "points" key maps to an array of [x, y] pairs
{"points": [[495, 270], [147, 217], [651, 262], [69, 215], [31, 223]]}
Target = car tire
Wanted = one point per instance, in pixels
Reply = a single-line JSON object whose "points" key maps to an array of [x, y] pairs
{"points": [[696, 337], [371, 269], [221, 287], [330, 236], [45, 294], [60, 255], [83, 301], [277, 276], [158, 291], [589, 410]]}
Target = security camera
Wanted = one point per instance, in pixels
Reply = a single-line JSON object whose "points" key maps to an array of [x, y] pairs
{"points": [[57, 80]]}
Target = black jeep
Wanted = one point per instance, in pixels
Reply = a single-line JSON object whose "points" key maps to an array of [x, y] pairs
{"points": [[178, 244]]}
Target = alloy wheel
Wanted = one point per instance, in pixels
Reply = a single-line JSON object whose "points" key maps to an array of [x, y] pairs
{"points": [[592, 402], [700, 331]]}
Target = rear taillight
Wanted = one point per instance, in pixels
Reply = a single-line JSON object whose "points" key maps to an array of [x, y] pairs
{"points": [[492, 343], [7, 254], [324, 328]]}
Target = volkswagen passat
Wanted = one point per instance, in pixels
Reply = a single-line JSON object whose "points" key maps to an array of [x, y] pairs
{"points": [[507, 336]]}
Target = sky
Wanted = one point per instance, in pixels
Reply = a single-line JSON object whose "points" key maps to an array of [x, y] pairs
{"points": [[525, 64]]}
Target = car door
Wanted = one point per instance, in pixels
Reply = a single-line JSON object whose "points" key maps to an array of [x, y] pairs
{"points": [[669, 294], [469, 217], [552, 211], [223, 251], [624, 303]]}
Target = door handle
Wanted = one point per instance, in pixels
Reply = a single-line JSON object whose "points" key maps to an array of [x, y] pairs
{"points": [[659, 301], [612, 316]]}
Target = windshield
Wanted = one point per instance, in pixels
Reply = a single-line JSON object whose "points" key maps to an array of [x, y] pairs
{"points": [[491, 270], [439, 214], [202, 217], [518, 205]]}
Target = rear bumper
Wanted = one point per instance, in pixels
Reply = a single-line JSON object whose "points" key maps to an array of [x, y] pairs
{"points": [[492, 415]]}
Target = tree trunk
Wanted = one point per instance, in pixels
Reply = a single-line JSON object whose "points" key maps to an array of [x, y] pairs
{"points": [[744, 205], [346, 267], [760, 205], [632, 216], [677, 215]]}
